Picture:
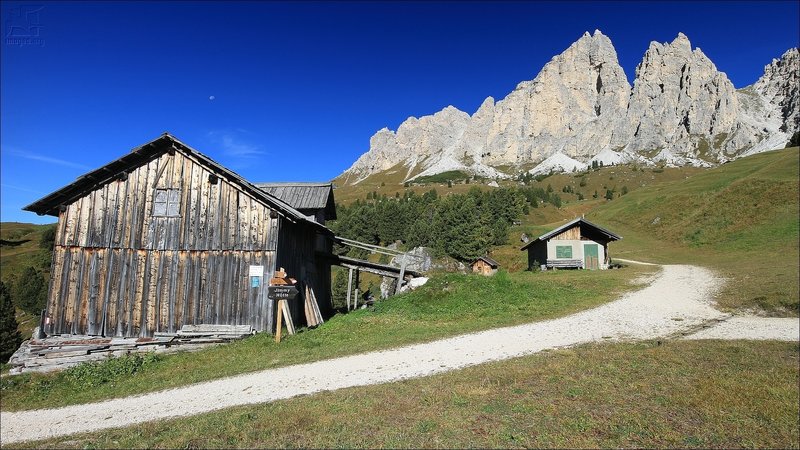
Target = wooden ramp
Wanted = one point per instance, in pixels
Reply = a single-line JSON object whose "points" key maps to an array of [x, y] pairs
{"points": [[384, 270]]}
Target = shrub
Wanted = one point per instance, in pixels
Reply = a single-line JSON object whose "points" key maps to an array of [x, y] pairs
{"points": [[96, 373]]}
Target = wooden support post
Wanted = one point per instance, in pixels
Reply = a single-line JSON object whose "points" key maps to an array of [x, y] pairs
{"points": [[355, 297], [402, 274], [280, 325], [287, 316], [349, 286]]}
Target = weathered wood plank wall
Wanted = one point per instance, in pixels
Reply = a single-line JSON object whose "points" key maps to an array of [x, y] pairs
{"points": [[119, 270], [573, 233]]}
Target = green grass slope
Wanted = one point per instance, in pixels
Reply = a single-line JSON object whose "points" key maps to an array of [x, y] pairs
{"points": [[740, 218], [20, 248]]}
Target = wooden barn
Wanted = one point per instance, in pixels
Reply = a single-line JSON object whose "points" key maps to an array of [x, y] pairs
{"points": [[484, 266], [578, 244], [164, 237]]}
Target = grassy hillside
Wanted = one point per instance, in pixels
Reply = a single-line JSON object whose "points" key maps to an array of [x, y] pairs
{"points": [[586, 183], [20, 248], [740, 218]]}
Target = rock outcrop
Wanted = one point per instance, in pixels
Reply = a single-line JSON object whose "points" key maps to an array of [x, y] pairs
{"points": [[779, 87], [681, 105], [580, 108]]}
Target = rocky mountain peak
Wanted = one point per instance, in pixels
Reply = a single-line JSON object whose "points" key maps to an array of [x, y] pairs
{"points": [[580, 107], [679, 97], [780, 86]]}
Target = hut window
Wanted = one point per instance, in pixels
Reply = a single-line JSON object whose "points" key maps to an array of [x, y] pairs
{"points": [[563, 251], [167, 203]]}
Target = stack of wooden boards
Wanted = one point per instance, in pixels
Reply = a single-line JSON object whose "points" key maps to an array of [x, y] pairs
{"points": [[313, 315], [61, 352], [213, 333]]}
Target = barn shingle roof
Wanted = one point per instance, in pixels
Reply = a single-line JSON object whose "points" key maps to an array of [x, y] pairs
{"points": [[49, 204], [304, 196]]}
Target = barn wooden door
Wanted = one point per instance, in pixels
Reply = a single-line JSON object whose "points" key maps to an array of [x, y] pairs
{"points": [[590, 257]]}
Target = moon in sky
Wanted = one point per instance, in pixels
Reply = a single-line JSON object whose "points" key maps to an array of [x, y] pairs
{"points": [[212, 97]]}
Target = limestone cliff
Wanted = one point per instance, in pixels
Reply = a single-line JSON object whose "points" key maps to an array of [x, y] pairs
{"points": [[581, 107]]}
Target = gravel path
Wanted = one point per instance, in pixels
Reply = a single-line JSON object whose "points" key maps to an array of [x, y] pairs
{"points": [[675, 302], [753, 328]]}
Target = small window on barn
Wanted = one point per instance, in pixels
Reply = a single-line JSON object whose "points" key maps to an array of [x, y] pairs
{"points": [[564, 251], [167, 203]]}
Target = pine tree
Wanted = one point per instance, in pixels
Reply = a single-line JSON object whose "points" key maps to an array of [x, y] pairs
{"points": [[10, 339]]}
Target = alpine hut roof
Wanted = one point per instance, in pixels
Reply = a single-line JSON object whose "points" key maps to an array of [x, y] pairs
{"points": [[51, 203], [304, 196], [586, 227], [494, 264]]}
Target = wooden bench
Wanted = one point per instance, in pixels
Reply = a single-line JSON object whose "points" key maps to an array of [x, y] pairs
{"points": [[565, 263]]}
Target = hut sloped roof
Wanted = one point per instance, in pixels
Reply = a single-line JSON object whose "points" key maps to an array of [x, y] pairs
{"points": [[582, 223], [487, 260]]}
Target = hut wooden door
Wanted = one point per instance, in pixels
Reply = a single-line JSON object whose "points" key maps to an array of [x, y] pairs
{"points": [[591, 257]]}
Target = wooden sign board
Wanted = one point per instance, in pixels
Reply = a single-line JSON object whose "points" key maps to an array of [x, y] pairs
{"points": [[281, 292]]}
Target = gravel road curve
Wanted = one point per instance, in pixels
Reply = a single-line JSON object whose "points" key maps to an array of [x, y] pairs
{"points": [[675, 302]]}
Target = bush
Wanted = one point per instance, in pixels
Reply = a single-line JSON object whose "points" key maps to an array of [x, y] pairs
{"points": [[10, 339], [30, 291], [48, 238]]}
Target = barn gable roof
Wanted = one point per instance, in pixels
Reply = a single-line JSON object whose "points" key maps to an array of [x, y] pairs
{"points": [[582, 223], [494, 264], [304, 196], [50, 204]]}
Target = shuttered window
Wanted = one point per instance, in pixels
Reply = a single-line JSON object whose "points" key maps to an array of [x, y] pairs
{"points": [[167, 203], [564, 251]]}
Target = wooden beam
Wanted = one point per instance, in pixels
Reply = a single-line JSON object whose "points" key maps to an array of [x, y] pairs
{"points": [[280, 325], [349, 287], [400, 277]]}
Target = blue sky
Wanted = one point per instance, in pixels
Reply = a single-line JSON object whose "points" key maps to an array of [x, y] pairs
{"points": [[299, 88]]}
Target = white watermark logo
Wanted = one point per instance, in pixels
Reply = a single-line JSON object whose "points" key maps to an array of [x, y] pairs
{"points": [[24, 26]]}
